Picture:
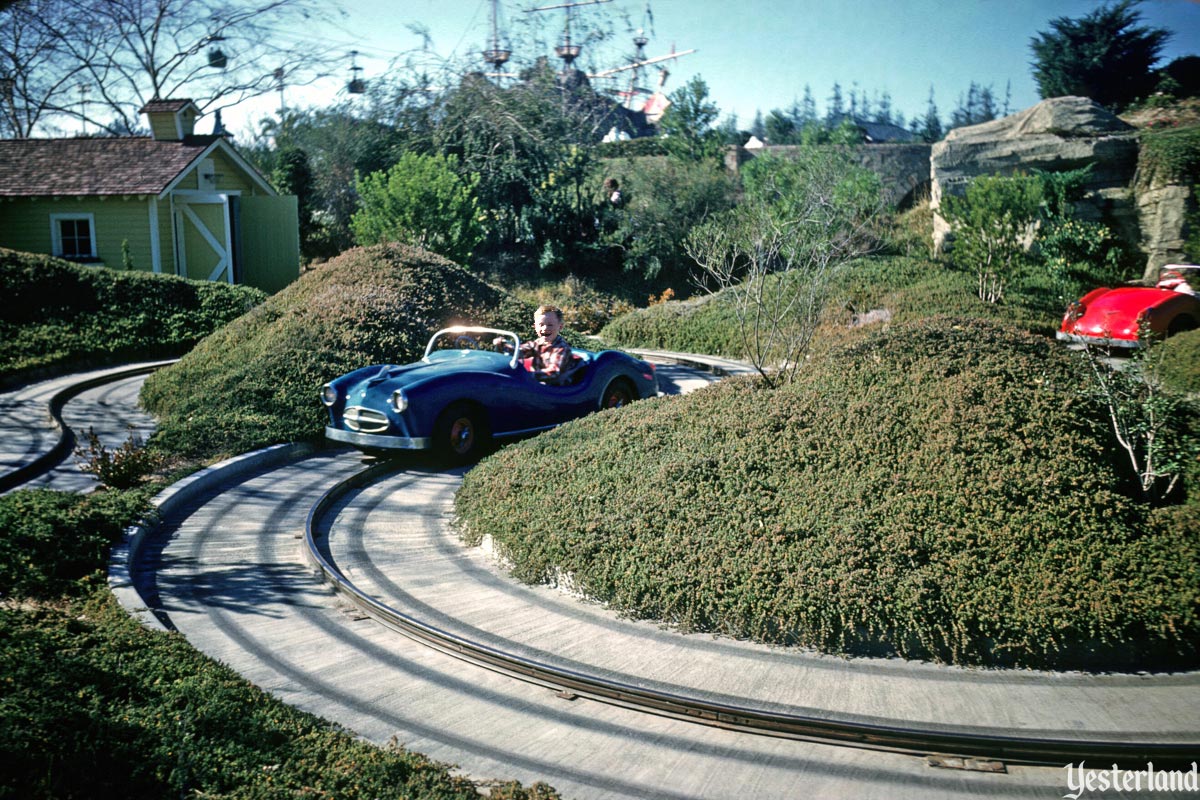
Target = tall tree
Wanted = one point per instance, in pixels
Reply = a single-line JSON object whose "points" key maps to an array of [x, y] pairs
{"points": [[931, 124], [524, 143], [688, 122], [808, 107], [780, 128], [99, 61], [883, 108], [835, 108], [1105, 55], [758, 127]]}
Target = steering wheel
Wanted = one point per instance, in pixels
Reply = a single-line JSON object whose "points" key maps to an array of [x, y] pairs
{"points": [[465, 342]]}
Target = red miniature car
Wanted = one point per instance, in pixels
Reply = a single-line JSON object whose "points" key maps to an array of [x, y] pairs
{"points": [[1114, 317]]}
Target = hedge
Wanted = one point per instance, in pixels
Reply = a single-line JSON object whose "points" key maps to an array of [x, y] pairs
{"points": [[60, 316]]}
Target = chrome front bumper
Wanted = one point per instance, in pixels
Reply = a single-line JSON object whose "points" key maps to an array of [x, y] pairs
{"points": [[1098, 341], [377, 441]]}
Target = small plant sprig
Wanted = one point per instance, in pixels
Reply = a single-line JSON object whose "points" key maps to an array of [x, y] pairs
{"points": [[1147, 418], [124, 468]]}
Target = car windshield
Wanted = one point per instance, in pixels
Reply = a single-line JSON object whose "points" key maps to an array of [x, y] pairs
{"points": [[468, 339], [464, 340]]}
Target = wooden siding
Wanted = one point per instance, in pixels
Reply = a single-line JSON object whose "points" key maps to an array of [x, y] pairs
{"points": [[270, 242], [231, 178], [25, 224]]}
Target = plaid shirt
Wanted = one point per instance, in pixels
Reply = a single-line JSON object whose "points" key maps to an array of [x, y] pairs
{"points": [[549, 358]]}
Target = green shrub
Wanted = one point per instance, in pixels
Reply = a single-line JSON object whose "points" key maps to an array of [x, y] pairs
{"points": [[701, 325], [939, 489], [255, 382], [1170, 155], [96, 705], [59, 314], [49, 539], [664, 199], [991, 222], [1180, 367], [421, 201], [124, 467]]}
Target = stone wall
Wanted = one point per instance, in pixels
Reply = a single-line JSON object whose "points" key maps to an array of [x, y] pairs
{"points": [[1162, 214], [903, 168], [1062, 133]]}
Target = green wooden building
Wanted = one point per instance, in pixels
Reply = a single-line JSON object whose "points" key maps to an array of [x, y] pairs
{"points": [[175, 202]]}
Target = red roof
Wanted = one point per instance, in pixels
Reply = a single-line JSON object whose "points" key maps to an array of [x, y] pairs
{"points": [[88, 167]]}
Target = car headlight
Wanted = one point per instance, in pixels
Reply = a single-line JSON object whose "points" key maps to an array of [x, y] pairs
{"points": [[399, 401], [329, 395]]}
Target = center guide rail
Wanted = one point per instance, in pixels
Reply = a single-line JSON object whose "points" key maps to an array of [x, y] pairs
{"points": [[570, 684]]}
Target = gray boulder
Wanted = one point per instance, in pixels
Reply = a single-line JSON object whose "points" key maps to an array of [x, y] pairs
{"points": [[1062, 133]]}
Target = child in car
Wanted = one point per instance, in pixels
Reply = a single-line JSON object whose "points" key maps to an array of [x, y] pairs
{"points": [[548, 356]]}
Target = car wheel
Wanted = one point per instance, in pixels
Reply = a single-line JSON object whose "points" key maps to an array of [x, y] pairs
{"points": [[460, 434], [618, 393]]}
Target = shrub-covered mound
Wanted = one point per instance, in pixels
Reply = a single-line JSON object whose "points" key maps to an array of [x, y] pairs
{"points": [[939, 490], [909, 287], [59, 314], [1181, 363], [256, 381]]}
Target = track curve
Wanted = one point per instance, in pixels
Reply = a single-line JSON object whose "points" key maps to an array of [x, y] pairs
{"points": [[42, 424], [231, 575], [1000, 715]]}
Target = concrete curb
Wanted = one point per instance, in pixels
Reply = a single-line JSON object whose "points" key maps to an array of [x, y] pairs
{"points": [[724, 367], [124, 556]]}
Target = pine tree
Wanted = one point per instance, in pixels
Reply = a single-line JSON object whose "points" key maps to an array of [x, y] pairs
{"points": [[1104, 55], [758, 128], [883, 109], [835, 109], [808, 107], [931, 126]]}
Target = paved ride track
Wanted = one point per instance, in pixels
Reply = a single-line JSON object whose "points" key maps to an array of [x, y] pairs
{"points": [[402, 564], [230, 571], [232, 577], [43, 422]]}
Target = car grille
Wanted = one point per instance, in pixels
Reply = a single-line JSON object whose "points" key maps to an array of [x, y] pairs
{"points": [[364, 420]]}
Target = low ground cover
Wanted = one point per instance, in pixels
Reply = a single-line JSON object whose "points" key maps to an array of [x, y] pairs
{"points": [[97, 706], [909, 287], [1181, 363], [61, 316], [940, 489]]}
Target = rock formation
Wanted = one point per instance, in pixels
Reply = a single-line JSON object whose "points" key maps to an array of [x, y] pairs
{"points": [[1061, 133]]}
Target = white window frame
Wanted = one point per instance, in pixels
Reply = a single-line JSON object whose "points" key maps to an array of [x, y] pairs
{"points": [[56, 243]]}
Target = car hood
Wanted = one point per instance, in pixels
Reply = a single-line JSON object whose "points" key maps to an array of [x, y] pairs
{"points": [[390, 377]]}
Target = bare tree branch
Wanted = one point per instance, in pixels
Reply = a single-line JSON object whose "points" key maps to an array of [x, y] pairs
{"points": [[128, 52]]}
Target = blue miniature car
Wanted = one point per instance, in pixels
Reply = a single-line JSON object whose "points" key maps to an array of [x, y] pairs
{"points": [[462, 394]]}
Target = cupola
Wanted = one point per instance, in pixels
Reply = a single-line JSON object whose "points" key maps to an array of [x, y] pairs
{"points": [[171, 120]]}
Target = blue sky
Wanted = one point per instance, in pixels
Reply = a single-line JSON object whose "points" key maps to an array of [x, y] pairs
{"points": [[757, 55]]}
